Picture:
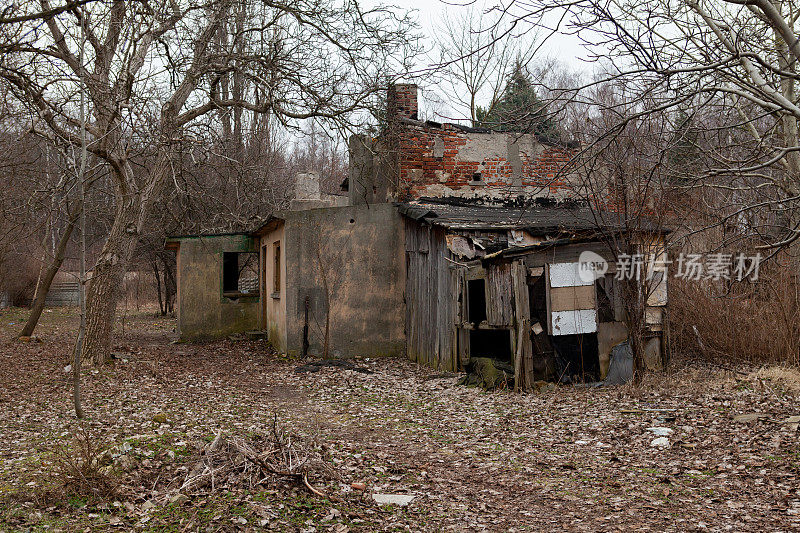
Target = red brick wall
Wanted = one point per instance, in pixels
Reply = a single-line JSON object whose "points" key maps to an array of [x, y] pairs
{"points": [[421, 173], [402, 100]]}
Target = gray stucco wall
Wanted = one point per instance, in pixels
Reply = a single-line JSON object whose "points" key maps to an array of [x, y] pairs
{"points": [[358, 251], [203, 311]]}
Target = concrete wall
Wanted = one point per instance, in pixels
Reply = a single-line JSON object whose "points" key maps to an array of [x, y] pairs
{"points": [[357, 252], [272, 312], [203, 311], [372, 172]]}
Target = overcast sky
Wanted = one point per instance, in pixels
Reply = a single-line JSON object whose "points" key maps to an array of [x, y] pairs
{"points": [[430, 12], [433, 13]]}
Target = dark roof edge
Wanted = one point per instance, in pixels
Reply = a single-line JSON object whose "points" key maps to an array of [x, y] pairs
{"points": [[200, 235], [415, 212], [424, 214], [510, 202], [261, 229]]}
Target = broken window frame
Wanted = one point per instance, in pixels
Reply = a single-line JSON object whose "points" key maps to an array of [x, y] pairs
{"points": [[250, 265], [610, 307], [276, 269]]}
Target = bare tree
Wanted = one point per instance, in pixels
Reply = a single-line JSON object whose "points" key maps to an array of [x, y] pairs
{"points": [[730, 65], [81, 178], [154, 71], [475, 55], [625, 178], [9, 14]]}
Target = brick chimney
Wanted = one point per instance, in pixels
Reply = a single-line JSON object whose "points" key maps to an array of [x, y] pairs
{"points": [[402, 100]]}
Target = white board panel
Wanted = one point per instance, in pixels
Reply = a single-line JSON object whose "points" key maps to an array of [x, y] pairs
{"points": [[658, 289], [566, 275], [574, 322]]}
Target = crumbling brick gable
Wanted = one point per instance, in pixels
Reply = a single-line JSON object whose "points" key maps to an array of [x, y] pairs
{"points": [[447, 161]]}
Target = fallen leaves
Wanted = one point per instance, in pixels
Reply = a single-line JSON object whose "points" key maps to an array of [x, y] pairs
{"points": [[567, 458]]}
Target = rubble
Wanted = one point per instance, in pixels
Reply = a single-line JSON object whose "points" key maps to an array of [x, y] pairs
{"points": [[489, 374]]}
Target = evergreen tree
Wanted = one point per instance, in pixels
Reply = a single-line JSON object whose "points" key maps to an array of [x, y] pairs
{"points": [[519, 108]]}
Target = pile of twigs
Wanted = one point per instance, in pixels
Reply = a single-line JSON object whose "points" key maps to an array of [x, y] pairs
{"points": [[232, 461]]}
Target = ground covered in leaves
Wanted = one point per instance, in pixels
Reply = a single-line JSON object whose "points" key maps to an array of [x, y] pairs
{"points": [[569, 458]]}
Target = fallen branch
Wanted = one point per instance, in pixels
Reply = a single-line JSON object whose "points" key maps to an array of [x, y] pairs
{"points": [[312, 489]]}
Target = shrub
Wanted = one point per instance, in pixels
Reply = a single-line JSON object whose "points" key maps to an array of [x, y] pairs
{"points": [[752, 322], [81, 472]]}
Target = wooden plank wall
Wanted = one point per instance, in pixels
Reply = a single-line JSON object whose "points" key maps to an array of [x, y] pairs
{"points": [[500, 291], [523, 356], [433, 288], [566, 254], [436, 300]]}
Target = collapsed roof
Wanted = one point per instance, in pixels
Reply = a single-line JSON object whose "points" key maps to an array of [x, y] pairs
{"points": [[537, 218]]}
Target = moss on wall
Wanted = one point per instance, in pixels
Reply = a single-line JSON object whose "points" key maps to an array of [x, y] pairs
{"points": [[204, 312]]}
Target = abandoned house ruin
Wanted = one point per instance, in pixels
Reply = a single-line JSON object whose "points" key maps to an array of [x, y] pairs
{"points": [[448, 244]]}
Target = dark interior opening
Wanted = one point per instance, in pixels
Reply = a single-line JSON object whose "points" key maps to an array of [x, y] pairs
{"points": [[576, 357], [494, 343], [537, 296], [240, 272], [605, 299], [544, 359], [476, 289], [230, 272]]}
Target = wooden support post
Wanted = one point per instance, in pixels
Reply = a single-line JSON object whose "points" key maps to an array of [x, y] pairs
{"points": [[523, 359]]}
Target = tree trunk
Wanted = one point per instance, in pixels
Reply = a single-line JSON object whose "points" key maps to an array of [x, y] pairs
{"points": [[107, 281], [43, 288], [108, 275], [170, 286], [161, 304], [635, 310]]}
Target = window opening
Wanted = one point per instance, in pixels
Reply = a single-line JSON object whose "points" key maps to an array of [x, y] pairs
{"points": [[276, 271], [240, 272], [477, 300]]}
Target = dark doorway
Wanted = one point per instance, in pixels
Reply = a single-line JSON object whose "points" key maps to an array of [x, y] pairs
{"points": [[576, 357], [537, 295], [476, 292], [494, 343], [544, 359]]}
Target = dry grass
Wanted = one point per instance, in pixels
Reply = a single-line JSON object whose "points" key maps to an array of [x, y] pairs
{"points": [[783, 377], [743, 323]]}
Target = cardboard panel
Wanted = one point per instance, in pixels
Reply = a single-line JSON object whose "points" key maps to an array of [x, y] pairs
{"points": [[574, 322], [572, 298]]}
